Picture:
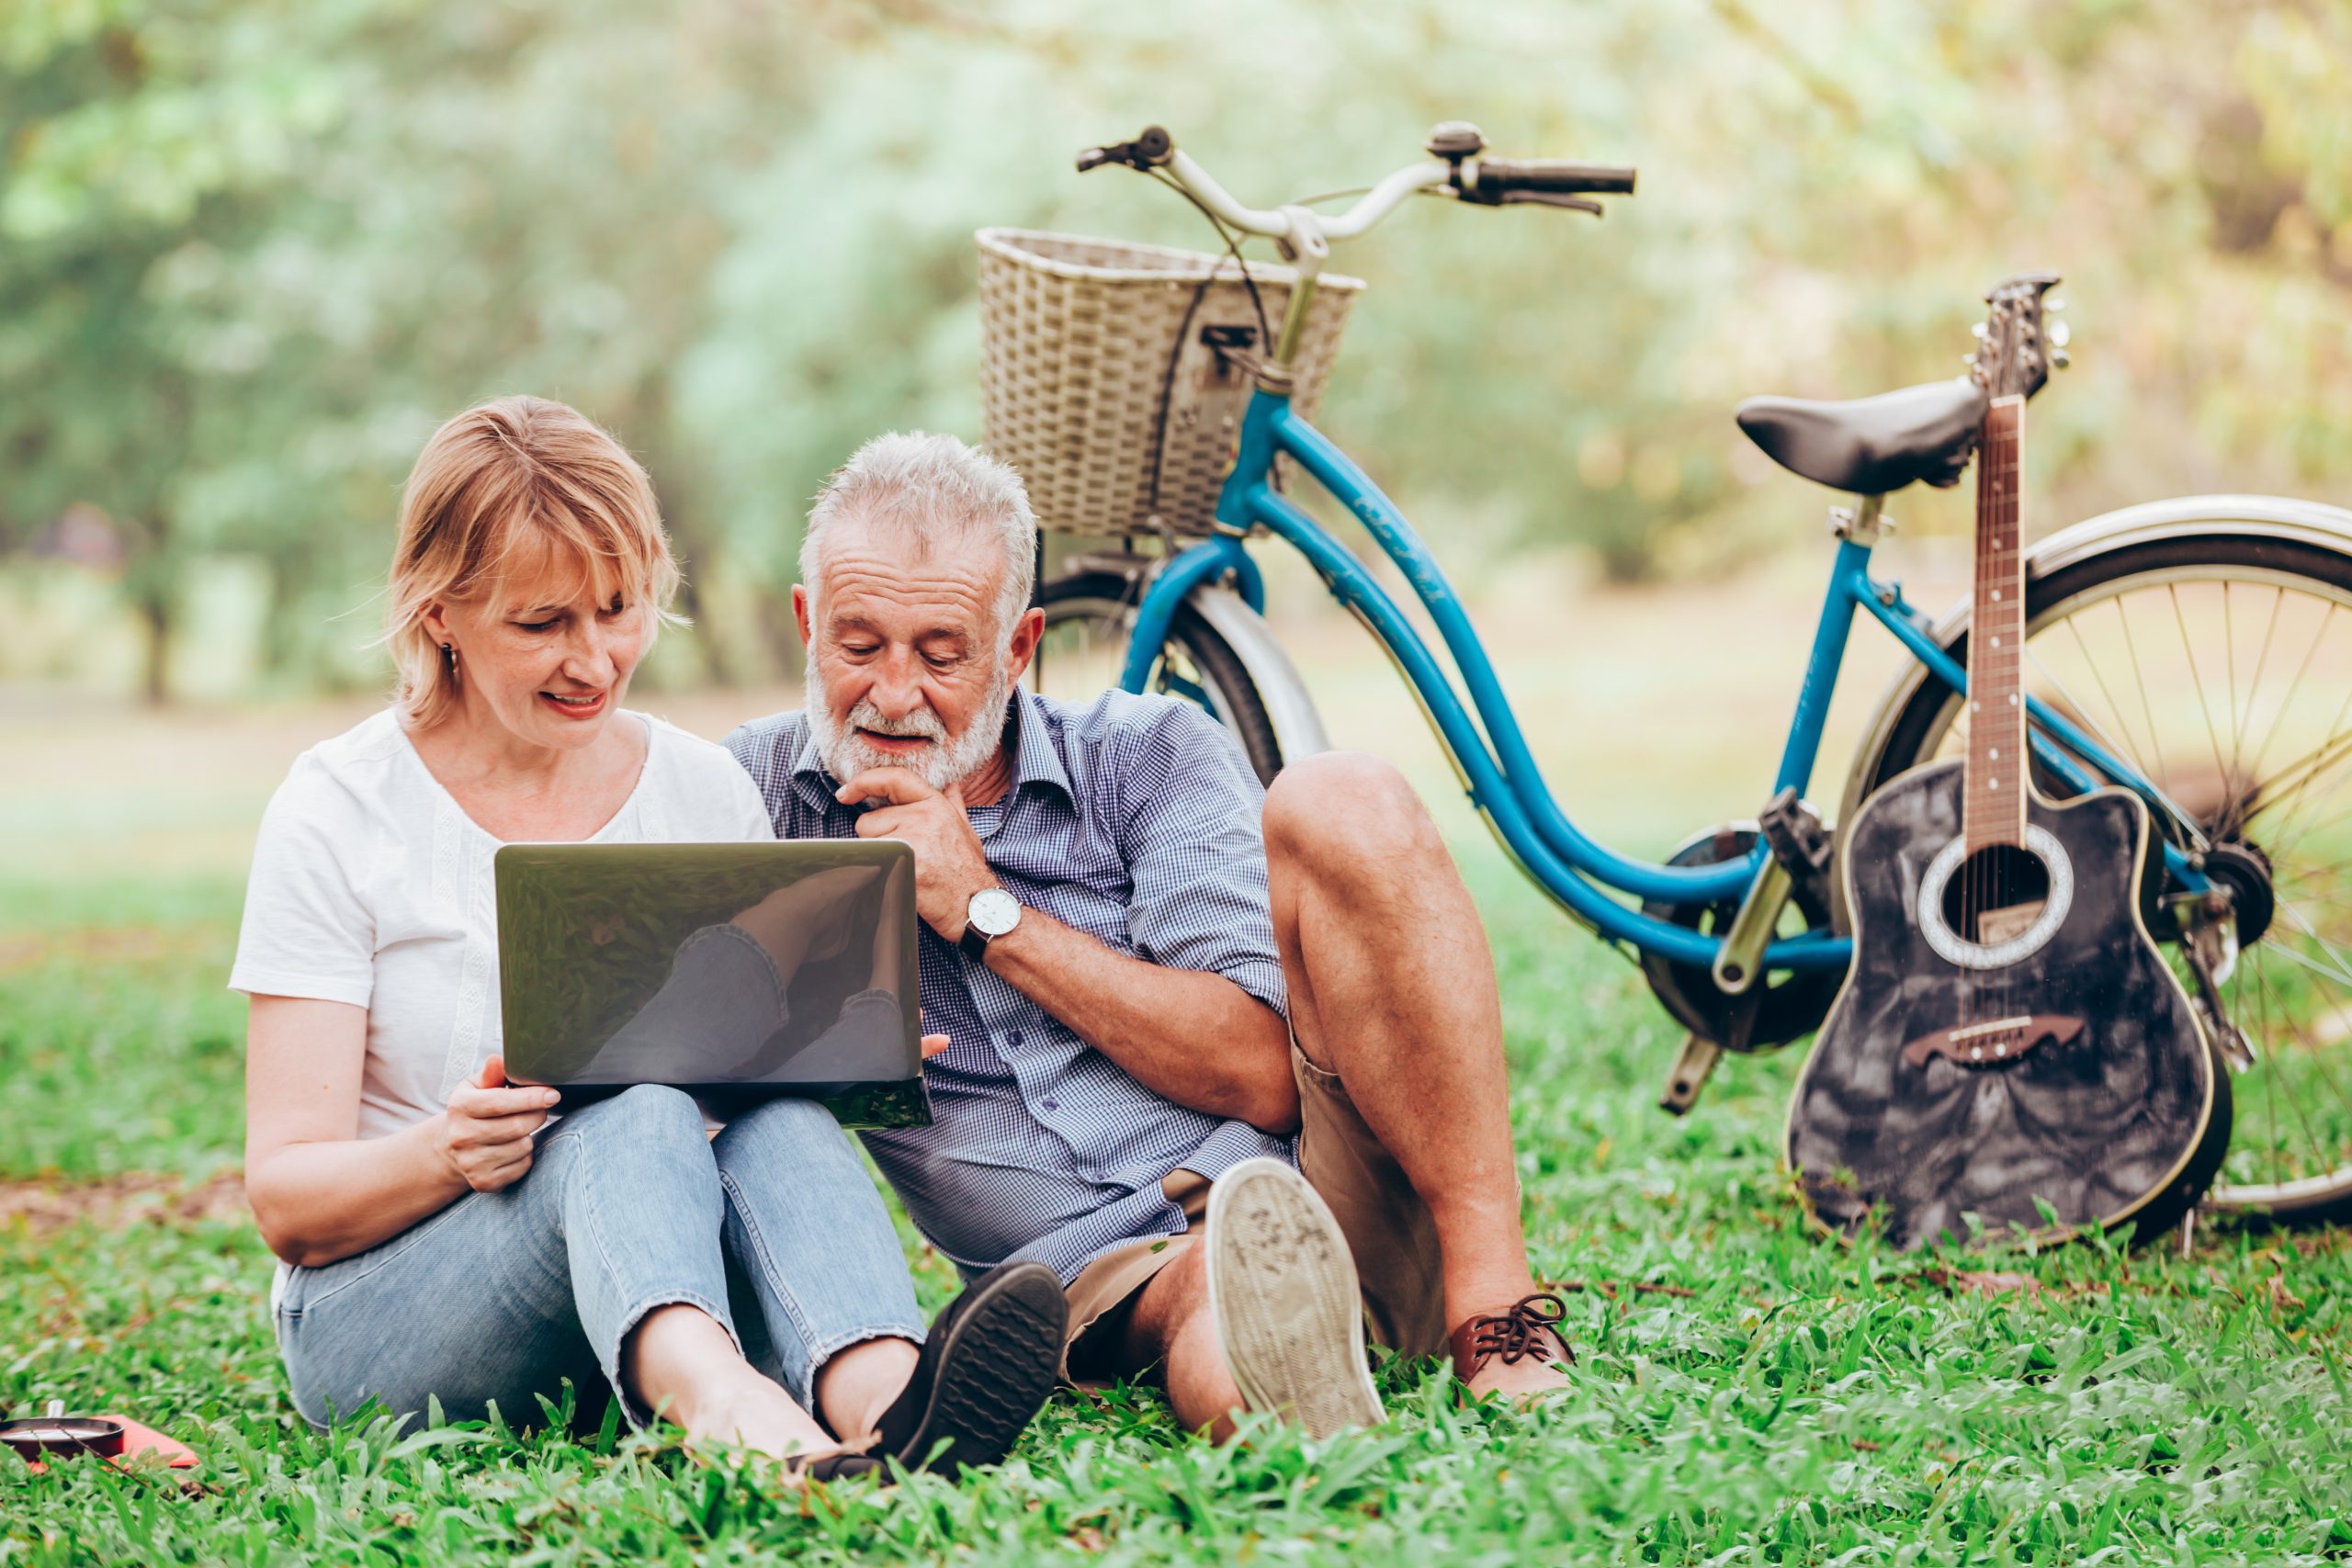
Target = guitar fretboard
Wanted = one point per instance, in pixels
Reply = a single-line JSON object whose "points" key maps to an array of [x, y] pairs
{"points": [[1994, 807]]}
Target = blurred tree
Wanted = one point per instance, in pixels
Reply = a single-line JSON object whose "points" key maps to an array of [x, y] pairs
{"points": [[136, 134], [255, 254], [251, 251]]}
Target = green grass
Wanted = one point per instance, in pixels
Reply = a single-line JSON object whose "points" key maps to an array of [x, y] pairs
{"points": [[1786, 1401]]}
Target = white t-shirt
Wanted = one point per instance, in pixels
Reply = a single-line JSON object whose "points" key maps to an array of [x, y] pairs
{"points": [[372, 886]]}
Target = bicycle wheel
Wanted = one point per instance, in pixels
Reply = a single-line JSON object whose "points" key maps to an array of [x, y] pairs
{"points": [[1088, 617], [2219, 665]]}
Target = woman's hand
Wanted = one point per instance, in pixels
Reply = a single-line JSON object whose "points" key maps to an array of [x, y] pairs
{"points": [[486, 1132]]}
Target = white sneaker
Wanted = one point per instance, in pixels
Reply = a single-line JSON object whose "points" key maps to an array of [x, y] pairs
{"points": [[1282, 1292]]}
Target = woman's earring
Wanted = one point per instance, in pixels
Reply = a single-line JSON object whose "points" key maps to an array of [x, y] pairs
{"points": [[449, 661]]}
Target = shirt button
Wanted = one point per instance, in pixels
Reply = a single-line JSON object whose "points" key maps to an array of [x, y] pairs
{"points": [[1053, 1105], [1014, 1038]]}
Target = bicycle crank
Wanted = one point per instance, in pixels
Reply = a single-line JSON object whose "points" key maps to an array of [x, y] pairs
{"points": [[1764, 1014]]}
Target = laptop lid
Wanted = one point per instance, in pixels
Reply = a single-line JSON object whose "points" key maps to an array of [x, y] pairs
{"points": [[735, 971]]}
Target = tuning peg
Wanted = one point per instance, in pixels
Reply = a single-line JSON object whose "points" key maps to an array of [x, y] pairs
{"points": [[2062, 359], [1977, 330], [2055, 302], [2060, 334]]}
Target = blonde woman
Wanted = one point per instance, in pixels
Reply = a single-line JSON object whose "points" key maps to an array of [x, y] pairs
{"points": [[749, 1286]]}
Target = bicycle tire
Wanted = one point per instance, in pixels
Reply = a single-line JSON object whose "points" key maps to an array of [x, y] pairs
{"points": [[1921, 724], [1195, 663]]}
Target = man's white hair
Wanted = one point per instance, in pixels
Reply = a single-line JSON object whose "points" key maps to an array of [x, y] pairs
{"points": [[933, 489]]}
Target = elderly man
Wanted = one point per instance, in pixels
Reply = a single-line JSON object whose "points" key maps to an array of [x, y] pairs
{"points": [[1167, 991]]}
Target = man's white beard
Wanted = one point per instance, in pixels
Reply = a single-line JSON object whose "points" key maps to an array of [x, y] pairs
{"points": [[944, 762]]}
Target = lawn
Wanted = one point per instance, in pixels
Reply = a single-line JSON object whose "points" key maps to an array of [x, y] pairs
{"points": [[1746, 1394]]}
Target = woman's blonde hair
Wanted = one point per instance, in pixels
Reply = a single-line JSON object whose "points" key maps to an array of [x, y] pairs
{"points": [[509, 487]]}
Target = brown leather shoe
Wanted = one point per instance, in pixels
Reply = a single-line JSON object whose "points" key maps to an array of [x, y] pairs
{"points": [[1530, 1327]]}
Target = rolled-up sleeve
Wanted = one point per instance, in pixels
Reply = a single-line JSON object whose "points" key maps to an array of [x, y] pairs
{"points": [[1190, 813]]}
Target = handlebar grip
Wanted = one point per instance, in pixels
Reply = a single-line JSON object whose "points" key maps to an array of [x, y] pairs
{"points": [[1495, 177], [1149, 150]]}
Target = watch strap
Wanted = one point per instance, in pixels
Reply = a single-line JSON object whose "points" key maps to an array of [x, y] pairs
{"points": [[975, 943]]}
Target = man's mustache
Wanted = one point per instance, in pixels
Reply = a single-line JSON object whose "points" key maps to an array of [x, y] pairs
{"points": [[922, 723]]}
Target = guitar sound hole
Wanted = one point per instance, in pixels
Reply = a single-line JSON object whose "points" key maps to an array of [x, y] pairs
{"points": [[1994, 894]]}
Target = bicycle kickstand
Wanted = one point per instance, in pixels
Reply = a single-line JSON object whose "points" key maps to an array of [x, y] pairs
{"points": [[1688, 1074]]}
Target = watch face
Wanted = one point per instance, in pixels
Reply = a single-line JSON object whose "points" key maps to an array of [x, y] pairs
{"points": [[994, 911]]}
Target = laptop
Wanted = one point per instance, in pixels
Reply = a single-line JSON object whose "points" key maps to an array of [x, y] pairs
{"points": [[737, 972]]}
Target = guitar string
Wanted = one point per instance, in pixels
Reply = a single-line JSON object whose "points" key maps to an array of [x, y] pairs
{"points": [[1990, 880], [2004, 525]]}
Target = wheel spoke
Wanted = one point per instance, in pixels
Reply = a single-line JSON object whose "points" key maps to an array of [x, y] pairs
{"points": [[2196, 679], [2114, 709], [2285, 831], [2146, 709], [2306, 830], [2294, 1103], [2287, 702], [2229, 666], [2082, 711], [2271, 1071], [2254, 686], [2315, 1052], [2337, 971]]}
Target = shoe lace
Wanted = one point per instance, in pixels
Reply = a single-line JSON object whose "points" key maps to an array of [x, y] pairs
{"points": [[1522, 1330]]}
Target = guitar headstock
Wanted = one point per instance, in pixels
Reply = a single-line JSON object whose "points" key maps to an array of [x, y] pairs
{"points": [[2017, 346]]}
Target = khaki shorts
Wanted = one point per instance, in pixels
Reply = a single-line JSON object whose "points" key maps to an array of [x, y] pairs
{"points": [[1387, 1226]]}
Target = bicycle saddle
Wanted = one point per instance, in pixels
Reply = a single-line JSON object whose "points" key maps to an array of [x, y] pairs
{"points": [[1871, 445]]}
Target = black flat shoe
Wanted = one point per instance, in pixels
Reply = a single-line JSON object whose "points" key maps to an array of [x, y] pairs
{"points": [[841, 1467], [986, 1365], [831, 1467]]}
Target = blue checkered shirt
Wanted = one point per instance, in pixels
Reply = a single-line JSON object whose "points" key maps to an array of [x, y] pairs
{"points": [[1135, 821]]}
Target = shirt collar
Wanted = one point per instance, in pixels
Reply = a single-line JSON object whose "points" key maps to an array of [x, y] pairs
{"points": [[1035, 760]]}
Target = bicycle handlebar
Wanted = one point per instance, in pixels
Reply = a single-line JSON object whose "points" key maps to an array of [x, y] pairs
{"points": [[1493, 180], [1145, 152], [1454, 169]]}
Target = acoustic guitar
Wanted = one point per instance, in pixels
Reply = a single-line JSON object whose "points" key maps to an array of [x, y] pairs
{"points": [[2010, 1048]]}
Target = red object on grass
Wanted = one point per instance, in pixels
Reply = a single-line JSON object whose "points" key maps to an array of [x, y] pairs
{"points": [[139, 1439]]}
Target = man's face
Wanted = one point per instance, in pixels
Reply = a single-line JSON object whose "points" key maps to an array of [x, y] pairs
{"points": [[909, 667]]}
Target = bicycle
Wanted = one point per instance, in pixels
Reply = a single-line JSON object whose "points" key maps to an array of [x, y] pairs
{"points": [[1737, 932]]}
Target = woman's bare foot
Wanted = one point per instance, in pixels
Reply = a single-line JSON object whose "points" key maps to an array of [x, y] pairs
{"points": [[681, 1362], [858, 1383], [757, 1414]]}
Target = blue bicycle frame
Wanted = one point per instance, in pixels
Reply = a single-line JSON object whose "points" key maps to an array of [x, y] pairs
{"points": [[1491, 754]]}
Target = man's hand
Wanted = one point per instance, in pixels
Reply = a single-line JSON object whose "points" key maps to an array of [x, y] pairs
{"points": [[949, 864]]}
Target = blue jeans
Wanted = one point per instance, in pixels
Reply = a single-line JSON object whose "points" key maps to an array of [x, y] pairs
{"points": [[774, 1228]]}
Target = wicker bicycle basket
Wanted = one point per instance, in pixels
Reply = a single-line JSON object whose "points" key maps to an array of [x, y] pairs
{"points": [[1099, 382]]}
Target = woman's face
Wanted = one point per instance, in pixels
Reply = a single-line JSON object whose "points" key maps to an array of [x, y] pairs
{"points": [[548, 657]]}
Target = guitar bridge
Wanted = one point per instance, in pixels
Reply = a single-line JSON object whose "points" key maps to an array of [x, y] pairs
{"points": [[1994, 1043]]}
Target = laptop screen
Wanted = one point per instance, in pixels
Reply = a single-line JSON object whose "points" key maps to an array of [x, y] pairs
{"points": [[735, 971]]}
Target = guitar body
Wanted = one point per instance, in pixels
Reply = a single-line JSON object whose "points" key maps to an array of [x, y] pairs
{"points": [[1953, 1078]]}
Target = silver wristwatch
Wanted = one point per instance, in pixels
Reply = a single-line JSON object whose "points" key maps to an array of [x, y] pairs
{"points": [[990, 914]]}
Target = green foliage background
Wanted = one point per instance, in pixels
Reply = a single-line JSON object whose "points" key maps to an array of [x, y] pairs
{"points": [[252, 250]]}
